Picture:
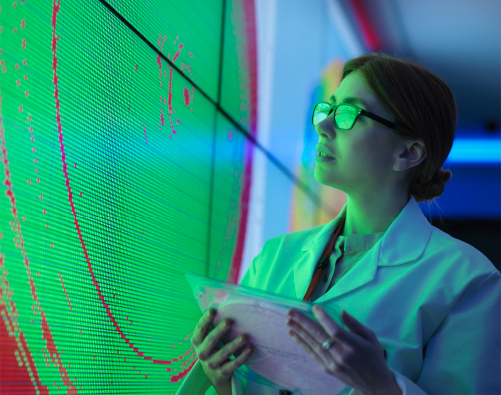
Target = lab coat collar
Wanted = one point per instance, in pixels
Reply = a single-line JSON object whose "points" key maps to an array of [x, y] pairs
{"points": [[403, 242]]}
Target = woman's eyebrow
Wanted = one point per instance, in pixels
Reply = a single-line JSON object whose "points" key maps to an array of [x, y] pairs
{"points": [[351, 100]]}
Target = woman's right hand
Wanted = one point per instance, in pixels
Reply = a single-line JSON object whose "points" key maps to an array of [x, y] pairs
{"points": [[215, 362]]}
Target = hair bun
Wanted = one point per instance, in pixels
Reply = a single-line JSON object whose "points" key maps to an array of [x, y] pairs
{"points": [[432, 188], [442, 176]]}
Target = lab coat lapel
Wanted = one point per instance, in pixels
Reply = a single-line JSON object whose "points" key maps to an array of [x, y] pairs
{"points": [[403, 242], [312, 250]]}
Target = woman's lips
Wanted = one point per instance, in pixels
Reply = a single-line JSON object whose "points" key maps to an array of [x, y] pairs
{"points": [[320, 158]]}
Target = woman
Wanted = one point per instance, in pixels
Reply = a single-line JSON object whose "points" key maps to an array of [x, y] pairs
{"points": [[424, 308]]}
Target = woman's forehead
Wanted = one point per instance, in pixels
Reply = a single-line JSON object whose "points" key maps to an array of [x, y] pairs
{"points": [[354, 86]]}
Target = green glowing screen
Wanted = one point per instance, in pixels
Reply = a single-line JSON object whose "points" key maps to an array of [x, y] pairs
{"points": [[125, 157]]}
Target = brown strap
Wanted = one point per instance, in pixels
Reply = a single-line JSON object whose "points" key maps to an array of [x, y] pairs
{"points": [[316, 278]]}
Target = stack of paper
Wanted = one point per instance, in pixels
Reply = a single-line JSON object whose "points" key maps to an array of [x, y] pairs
{"points": [[277, 360]]}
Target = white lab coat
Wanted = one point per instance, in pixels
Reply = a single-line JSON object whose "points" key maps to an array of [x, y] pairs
{"points": [[433, 302]]}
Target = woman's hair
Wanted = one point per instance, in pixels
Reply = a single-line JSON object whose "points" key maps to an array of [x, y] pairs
{"points": [[424, 108]]}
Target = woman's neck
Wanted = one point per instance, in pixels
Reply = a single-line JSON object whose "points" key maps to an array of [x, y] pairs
{"points": [[365, 216]]}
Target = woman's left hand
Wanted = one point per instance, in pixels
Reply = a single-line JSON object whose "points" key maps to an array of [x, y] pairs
{"points": [[356, 358]]}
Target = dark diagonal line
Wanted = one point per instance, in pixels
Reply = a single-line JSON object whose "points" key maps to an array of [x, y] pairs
{"points": [[272, 158]]}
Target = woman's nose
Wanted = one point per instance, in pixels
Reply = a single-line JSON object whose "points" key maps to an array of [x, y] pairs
{"points": [[326, 126]]}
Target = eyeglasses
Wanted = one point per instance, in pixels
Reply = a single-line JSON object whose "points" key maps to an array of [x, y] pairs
{"points": [[345, 115]]}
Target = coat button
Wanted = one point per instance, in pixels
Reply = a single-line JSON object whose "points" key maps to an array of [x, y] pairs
{"points": [[326, 277]]}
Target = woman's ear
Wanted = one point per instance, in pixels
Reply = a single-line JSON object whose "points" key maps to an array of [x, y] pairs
{"points": [[420, 150], [409, 154]]}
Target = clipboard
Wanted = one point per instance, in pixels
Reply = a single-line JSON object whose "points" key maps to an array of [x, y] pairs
{"points": [[277, 360]]}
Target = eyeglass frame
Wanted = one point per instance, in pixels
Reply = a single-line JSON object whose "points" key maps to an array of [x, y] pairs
{"points": [[360, 111]]}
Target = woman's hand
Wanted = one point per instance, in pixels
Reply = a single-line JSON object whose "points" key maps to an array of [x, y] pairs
{"points": [[356, 358], [215, 361]]}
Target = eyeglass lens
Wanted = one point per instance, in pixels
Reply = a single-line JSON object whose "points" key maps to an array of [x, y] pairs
{"points": [[345, 115]]}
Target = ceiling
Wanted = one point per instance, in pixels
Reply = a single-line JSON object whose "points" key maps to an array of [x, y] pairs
{"points": [[459, 40]]}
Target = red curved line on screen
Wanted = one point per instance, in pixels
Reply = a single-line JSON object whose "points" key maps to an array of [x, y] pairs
{"points": [[70, 198]]}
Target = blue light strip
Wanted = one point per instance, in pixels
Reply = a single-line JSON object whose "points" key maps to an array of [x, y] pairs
{"points": [[475, 151]]}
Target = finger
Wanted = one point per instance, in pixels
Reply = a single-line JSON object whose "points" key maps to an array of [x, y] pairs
{"points": [[222, 355], [315, 354], [307, 328], [334, 330], [328, 360], [311, 344], [356, 326], [209, 346], [203, 327], [325, 326], [230, 367], [219, 331]]}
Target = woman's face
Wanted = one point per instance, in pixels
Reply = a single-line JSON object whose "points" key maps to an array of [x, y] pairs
{"points": [[365, 154]]}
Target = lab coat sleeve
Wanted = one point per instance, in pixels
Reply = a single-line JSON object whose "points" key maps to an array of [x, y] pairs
{"points": [[196, 382], [464, 355]]}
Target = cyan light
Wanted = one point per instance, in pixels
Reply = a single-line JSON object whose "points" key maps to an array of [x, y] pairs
{"points": [[486, 151]]}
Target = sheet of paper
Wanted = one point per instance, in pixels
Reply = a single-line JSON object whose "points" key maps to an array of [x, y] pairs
{"points": [[277, 360]]}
